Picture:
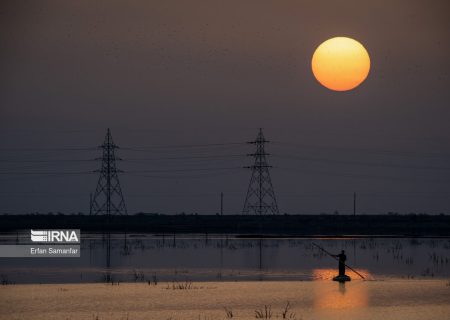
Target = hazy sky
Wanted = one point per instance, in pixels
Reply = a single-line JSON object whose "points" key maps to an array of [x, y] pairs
{"points": [[171, 73]]}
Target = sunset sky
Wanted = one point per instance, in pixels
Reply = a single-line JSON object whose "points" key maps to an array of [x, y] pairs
{"points": [[166, 74]]}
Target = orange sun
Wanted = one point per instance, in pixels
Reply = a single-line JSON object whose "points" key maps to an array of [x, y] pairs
{"points": [[340, 64]]}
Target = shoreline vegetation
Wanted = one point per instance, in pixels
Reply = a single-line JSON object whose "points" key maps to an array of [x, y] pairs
{"points": [[391, 225]]}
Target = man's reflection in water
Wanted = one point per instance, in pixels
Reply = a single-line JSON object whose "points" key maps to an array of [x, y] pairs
{"points": [[342, 287]]}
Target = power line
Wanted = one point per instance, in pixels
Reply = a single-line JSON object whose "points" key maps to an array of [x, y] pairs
{"points": [[366, 150], [47, 161], [361, 176], [181, 146], [185, 170], [187, 157], [184, 176], [49, 149], [46, 173], [370, 164]]}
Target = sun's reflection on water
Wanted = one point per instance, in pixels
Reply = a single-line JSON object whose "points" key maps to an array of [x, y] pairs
{"points": [[335, 295]]}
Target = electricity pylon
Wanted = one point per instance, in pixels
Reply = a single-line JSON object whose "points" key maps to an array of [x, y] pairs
{"points": [[108, 197], [260, 197]]}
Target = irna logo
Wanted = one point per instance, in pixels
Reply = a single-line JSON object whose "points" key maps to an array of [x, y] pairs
{"points": [[55, 235]]}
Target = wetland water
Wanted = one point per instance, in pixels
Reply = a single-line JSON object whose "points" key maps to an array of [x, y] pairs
{"points": [[147, 257]]}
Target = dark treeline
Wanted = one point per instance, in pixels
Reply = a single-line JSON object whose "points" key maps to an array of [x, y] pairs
{"points": [[275, 225]]}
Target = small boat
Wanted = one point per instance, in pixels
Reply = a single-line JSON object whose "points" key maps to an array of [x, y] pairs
{"points": [[342, 278]]}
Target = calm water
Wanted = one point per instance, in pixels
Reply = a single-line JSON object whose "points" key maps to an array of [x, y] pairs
{"points": [[145, 257]]}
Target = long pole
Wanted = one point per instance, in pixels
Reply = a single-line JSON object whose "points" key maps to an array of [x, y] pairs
{"points": [[359, 274], [354, 204]]}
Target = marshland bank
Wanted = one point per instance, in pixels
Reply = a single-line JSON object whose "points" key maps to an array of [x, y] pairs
{"points": [[390, 299]]}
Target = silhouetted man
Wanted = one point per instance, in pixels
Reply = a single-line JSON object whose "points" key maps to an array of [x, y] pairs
{"points": [[342, 257]]}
